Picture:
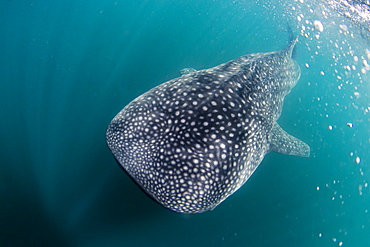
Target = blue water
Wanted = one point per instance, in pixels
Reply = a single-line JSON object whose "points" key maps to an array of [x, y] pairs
{"points": [[67, 67]]}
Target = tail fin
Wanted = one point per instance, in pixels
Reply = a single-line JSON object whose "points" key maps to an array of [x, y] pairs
{"points": [[292, 39]]}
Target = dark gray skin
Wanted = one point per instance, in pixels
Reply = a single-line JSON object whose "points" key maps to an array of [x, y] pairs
{"points": [[193, 141]]}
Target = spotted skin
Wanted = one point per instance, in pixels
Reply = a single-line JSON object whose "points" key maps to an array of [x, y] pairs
{"points": [[193, 141]]}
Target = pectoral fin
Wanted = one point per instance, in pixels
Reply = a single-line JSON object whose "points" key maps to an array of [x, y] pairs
{"points": [[282, 142], [187, 71]]}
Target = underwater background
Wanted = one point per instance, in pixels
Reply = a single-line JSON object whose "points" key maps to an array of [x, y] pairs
{"points": [[68, 67]]}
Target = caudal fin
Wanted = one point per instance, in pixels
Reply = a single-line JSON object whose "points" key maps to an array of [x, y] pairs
{"points": [[293, 39]]}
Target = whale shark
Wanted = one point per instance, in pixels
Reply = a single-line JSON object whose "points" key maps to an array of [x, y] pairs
{"points": [[191, 142]]}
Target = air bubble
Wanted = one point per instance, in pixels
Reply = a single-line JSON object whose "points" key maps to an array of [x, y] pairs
{"points": [[318, 25], [358, 160], [343, 27]]}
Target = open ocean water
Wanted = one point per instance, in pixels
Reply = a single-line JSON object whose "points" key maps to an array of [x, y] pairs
{"points": [[68, 67]]}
